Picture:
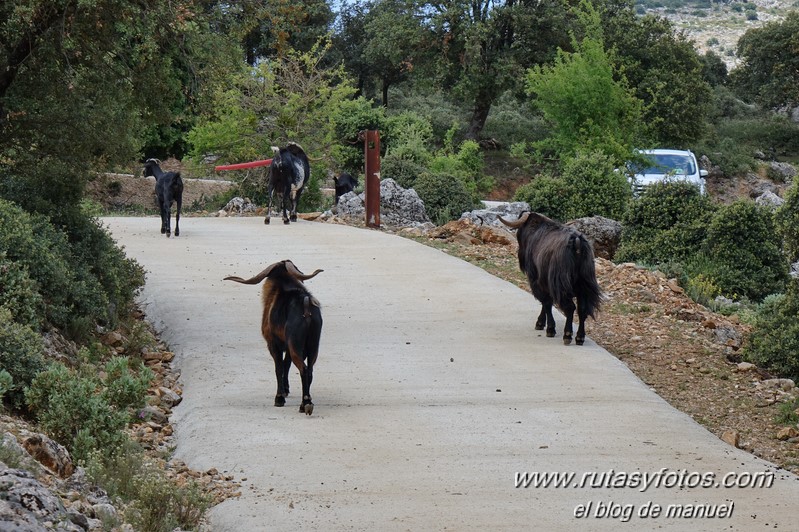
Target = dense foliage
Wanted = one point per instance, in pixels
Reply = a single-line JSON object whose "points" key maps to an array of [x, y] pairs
{"points": [[570, 87]]}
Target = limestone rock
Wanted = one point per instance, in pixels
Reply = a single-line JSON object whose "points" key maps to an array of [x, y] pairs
{"points": [[489, 216], [399, 207], [770, 199], [603, 232], [50, 454], [731, 437]]}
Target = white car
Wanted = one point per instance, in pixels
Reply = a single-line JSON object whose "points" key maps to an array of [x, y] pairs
{"points": [[667, 164]]}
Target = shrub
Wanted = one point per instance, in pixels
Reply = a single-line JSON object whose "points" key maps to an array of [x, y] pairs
{"points": [[6, 383], [546, 195], [403, 171], [666, 223], [348, 119], [126, 385], [18, 294], [80, 273], [595, 188], [444, 195], [84, 412], [743, 252], [156, 504], [21, 356], [774, 341], [787, 221]]}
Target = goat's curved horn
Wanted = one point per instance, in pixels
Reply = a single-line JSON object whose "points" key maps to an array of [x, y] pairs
{"points": [[256, 279], [518, 223], [297, 274]]}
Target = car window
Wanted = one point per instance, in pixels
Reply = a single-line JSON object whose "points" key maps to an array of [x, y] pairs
{"points": [[664, 164]]}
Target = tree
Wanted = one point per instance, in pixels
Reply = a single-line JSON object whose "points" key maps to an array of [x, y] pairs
{"points": [[266, 28], [79, 82], [292, 97], [481, 46], [769, 72], [392, 38], [579, 96], [664, 70]]}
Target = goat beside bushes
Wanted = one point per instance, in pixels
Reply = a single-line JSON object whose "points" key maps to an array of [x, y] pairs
{"points": [[291, 325], [168, 189], [559, 264]]}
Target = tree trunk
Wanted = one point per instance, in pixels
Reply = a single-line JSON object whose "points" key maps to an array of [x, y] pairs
{"points": [[385, 92], [482, 106]]}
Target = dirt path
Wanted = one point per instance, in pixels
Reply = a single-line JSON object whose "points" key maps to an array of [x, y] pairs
{"points": [[432, 391]]}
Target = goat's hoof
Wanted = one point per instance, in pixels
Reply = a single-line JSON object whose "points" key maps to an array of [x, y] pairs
{"points": [[285, 222], [567, 340], [163, 230], [280, 400], [539, 327], [550, 333], [579, 341], [177, 233], [266, 220], [307, 408]]}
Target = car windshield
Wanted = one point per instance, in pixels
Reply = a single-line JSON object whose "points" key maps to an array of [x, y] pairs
{"points": [[664, 164]]}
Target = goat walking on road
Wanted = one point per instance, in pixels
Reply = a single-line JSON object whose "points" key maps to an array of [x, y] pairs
{"points": [[288, 175], [168, 189], [559, 264], [291, 325]]}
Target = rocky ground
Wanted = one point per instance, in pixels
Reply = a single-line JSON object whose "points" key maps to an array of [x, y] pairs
{"points": [[44, 490], [719, 28]]}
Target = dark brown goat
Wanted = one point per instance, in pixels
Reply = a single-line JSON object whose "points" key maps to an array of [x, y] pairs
{"points": [[559, 264], [291, 325]]}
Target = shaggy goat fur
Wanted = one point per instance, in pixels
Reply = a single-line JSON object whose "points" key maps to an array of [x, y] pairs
{"points": [[559, 264], [291, 325]]}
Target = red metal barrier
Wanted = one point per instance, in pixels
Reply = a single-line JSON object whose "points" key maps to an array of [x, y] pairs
{"points": [[243, 166]]}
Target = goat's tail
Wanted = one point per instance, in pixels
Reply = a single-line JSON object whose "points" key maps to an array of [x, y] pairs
{"points": [[588, 292]]}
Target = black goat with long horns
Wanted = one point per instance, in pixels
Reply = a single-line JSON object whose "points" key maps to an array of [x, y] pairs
{"points": [[291, 325], [559, 264]]}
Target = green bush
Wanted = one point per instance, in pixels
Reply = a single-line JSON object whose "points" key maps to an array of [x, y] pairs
{"points": [[667, 223], [349, 119], [774, 341], [84, 412], [155, 503], [595, 188], [126, 384], [743, 255], [80, 273], [6, 383], [787, 220], [445, 196], [403, 171], [19, 294], [21, 355], [546, 195]]}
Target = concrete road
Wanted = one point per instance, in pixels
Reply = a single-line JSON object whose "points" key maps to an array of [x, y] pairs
{"points": [[433, 395]]}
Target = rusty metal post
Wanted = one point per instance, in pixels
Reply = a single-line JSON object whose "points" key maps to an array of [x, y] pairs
{"points": [[372, 171]]}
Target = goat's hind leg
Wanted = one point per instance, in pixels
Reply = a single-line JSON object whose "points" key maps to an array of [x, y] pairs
{"points": [[568, 329], [179, 202], [282, 364], [306, 374]]}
